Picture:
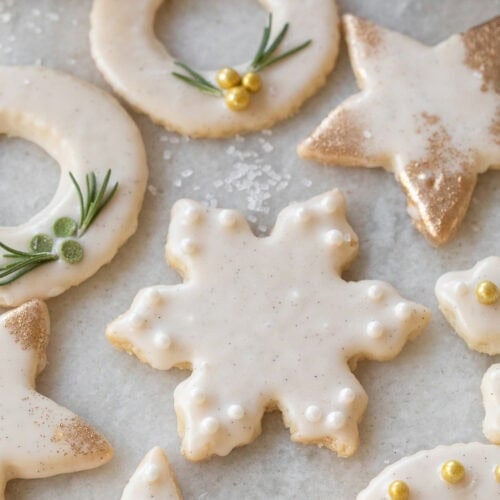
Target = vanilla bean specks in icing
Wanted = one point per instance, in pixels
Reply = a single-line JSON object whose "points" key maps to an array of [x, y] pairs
{"points": [[38, 438], [140, 69], [431, 115], [92, 138], [457, 472], [153, 479], [264, 324]]}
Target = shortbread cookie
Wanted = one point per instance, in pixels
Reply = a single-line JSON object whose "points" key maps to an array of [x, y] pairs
{"points": [[265, 324], [95, 142], [490, 388], [430, 115], [470, 300], [38, 438], [153, 479], [457, 472], [142, 71]]}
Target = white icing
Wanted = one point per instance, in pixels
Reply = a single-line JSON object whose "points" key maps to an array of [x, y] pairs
{"points": [[188, 246], [375, 329], [335, 238], [490, 388], [34, 429], [198, 396], [140, 68], [210, 425], [228, 218], [153, 479], [403, 311], [236, 412], [476, 323], [162, 340], [375, 292], [276, 323], [64, 116], [313, 413], [347, 396], [421, 472]]}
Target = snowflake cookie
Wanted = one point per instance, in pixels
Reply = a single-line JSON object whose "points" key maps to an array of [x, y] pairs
{"points": [[265, 324], [430, 115], [153, 479], [38, 438], [470, 300], [490, 388], [456, 472]]}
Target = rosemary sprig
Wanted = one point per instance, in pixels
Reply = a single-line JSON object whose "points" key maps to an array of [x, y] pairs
{"points": [[95, 199], [22, 263], [197, 80], [264, 56]]}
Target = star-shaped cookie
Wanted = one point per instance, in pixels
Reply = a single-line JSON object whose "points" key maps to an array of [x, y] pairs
{"points": [[38, 438], [266, 324], [153, 479], [430, 115]]}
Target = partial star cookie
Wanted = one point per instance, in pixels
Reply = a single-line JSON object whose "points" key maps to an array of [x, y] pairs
{"points": [[153, 479], [490, 388], [456, 472], [470, 300], [38, 438], [431, 115], [265, 324]]}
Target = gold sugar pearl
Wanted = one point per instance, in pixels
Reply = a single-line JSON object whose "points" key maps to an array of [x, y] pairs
{"points": [[252, 82], [399, 490], [452, 471], [497, 473], [487, 293], [237, 98], [228, 78]]}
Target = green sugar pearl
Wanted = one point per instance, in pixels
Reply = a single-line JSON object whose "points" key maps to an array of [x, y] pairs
{"points": [[41, 243], [71, 251], [65, 227]]}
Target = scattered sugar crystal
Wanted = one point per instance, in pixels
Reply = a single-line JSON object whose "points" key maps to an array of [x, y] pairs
{"points": [[152, 189], [53, 16], [177, 183], [307, 182], [218, 183], [174, 140], [6, 17], [187, 173], [167, 154]]}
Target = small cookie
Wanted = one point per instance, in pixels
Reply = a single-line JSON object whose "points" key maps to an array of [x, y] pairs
{"points": [[456, 472], [431, 115], [470, 300], [265, 324], [98, 147], [142, 71], [38, 438], [153, 479], [490, 388]]}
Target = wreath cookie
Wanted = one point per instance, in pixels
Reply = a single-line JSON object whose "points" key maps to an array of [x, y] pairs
{"points": [[297, 51], [153, 479], [430, 115], [38, 438], [456, 472], [266, 324], [103, 179]]}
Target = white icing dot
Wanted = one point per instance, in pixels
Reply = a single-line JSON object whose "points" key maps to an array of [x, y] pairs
{"points": [[302, 214], [375, 329], [198, 396], [188, 246], [330, 203], [334, 238], [336, 420], [367, 134], [346, 396], [150, 473], [461, 288], [227, 218], [210, 425], [192, 214], [375, 292], [313, 413], [236, 412], [137, 320], [162, 340], [403, 311]]}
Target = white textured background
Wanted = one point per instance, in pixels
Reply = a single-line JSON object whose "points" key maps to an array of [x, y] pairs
{"points": [[429, 395]]}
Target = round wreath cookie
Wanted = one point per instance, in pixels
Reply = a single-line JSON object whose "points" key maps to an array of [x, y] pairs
{"points": [[456, 472], [103, 179], [153, 478], [298, 49]]}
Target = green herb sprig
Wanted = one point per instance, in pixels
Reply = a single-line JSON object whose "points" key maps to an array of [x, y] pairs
{"points": [[264, 57], [71, 251]]}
